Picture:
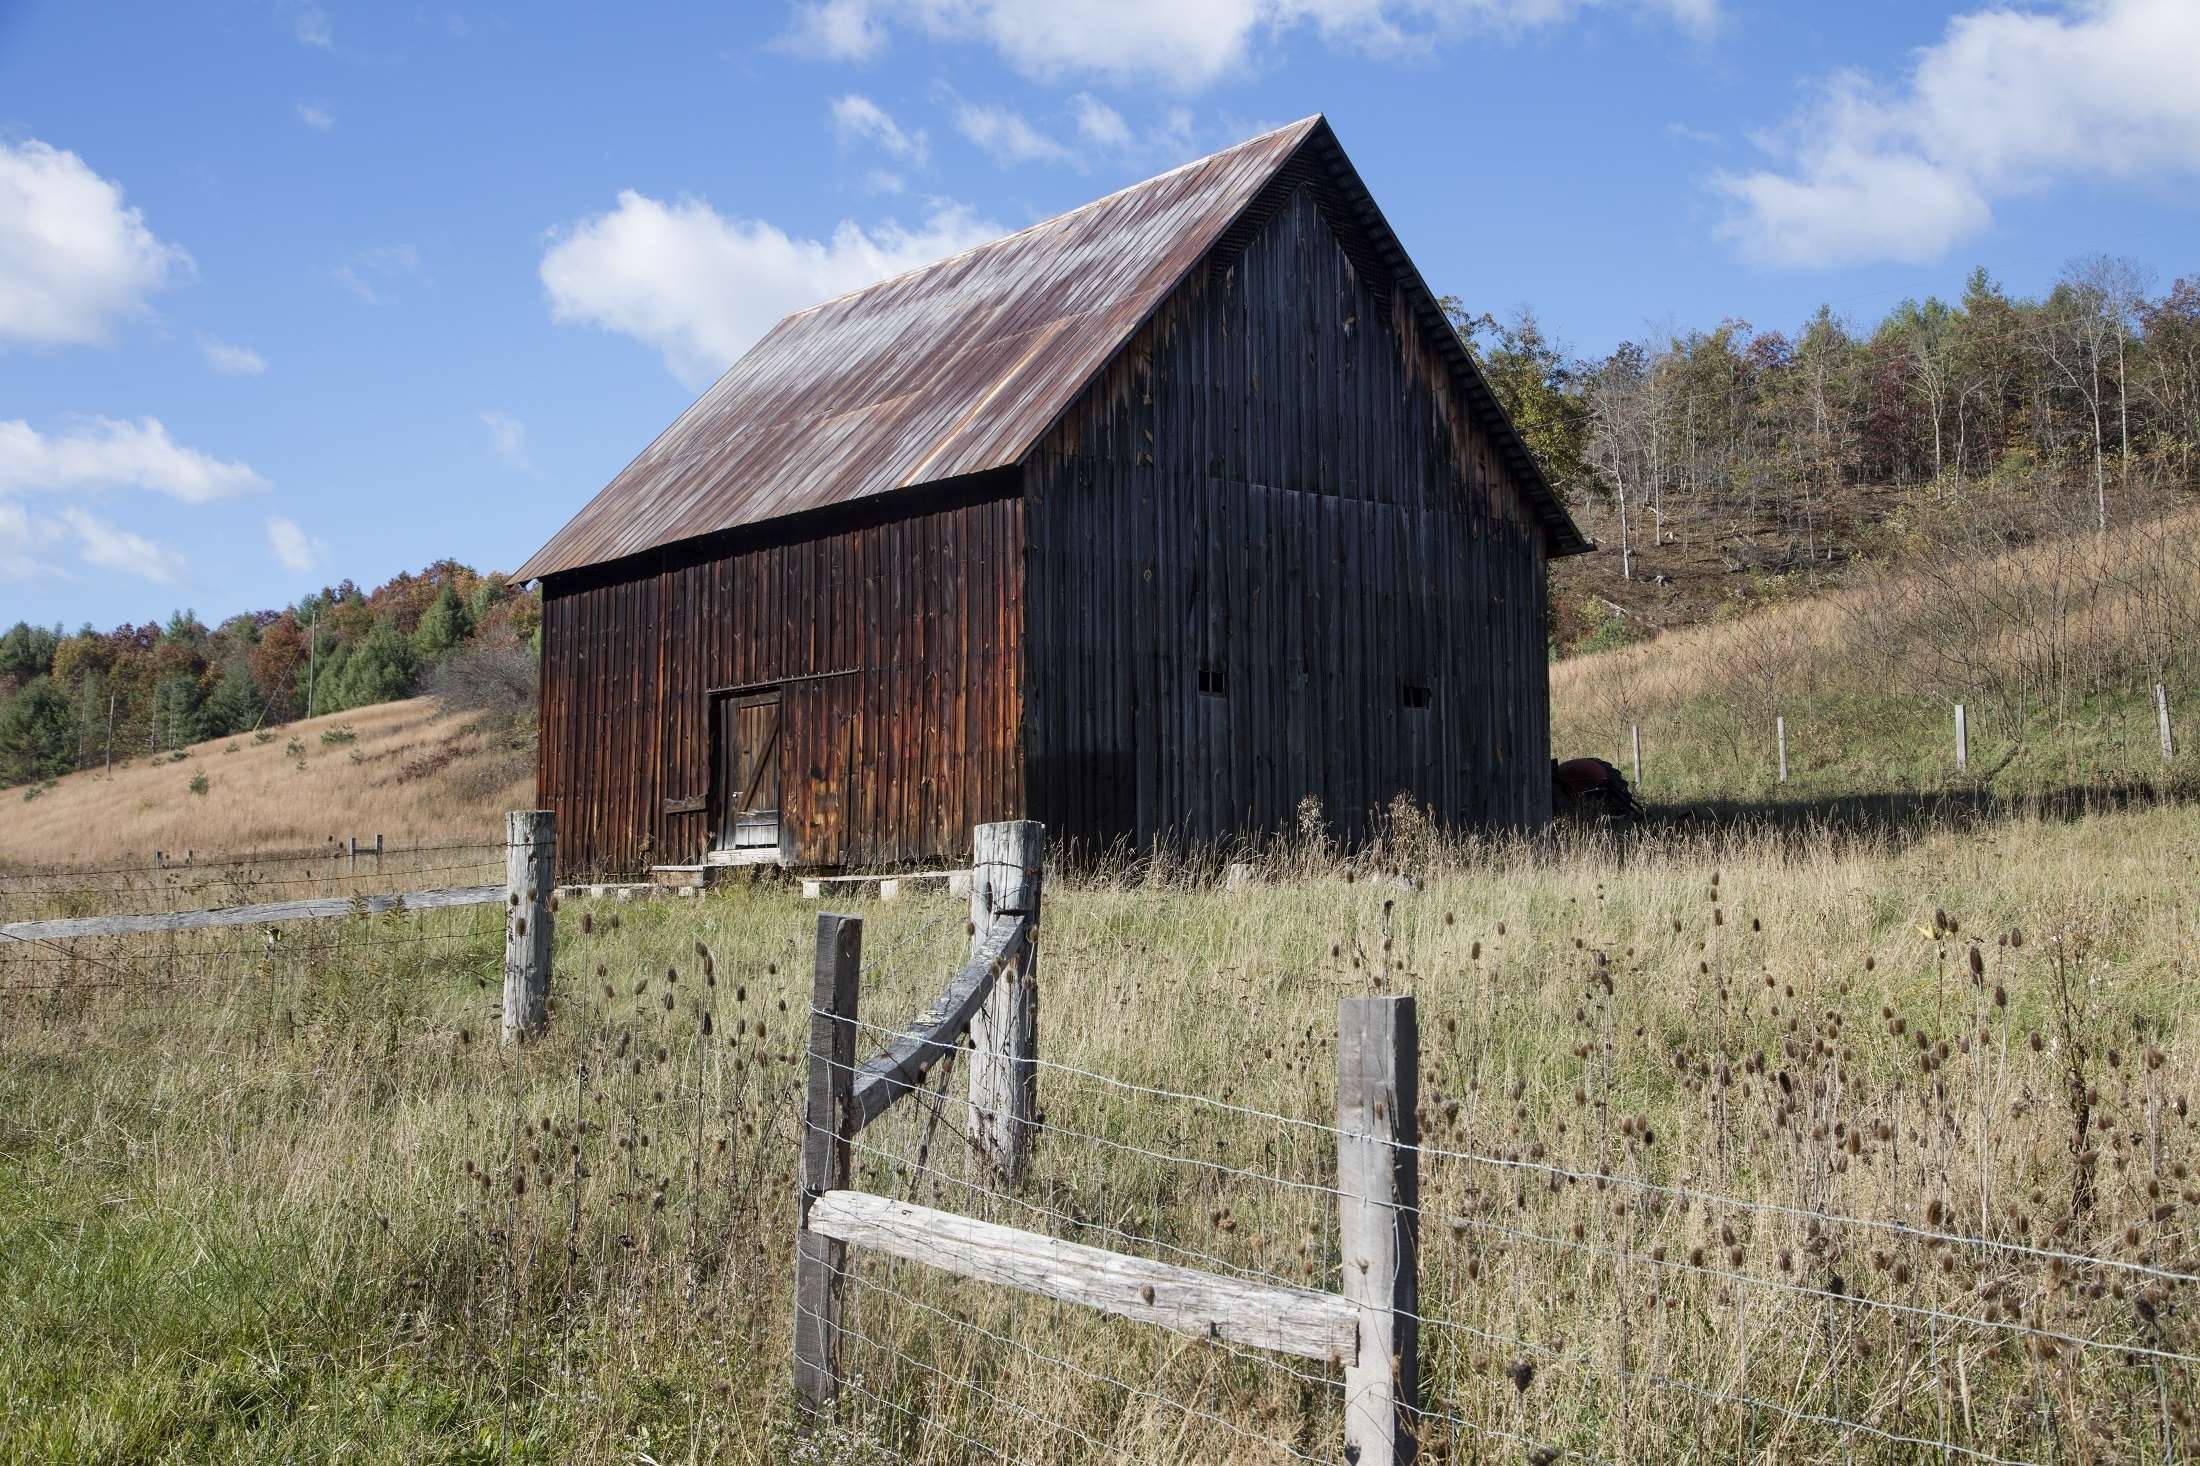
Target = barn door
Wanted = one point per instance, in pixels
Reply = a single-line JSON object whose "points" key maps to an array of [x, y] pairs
{"points": [[744, 785]]}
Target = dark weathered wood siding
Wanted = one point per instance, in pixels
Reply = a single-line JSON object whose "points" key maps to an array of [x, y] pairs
{"points": [[896, 641], [1276, 489]]}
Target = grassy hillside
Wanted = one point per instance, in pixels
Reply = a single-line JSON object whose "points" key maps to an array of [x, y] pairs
{"points": [[401, 769], [2054, 648]]}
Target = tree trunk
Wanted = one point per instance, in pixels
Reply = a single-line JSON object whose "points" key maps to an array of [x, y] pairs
{"points": [[2100, 470]]}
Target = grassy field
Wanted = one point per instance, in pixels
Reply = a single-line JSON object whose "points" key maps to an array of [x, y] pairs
{"points": [[398, 769], [294, 1203], [2054, 648]]}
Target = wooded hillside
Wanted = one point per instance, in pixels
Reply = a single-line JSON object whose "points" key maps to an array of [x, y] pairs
{"points": [[75, 701], [1723, 467]]}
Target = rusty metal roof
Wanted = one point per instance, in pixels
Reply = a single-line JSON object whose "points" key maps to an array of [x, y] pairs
{"points": [[955, 368]]}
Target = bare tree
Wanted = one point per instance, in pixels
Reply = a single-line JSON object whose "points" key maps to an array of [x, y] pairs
{"points": [[1616, 397], [2088, 323]]}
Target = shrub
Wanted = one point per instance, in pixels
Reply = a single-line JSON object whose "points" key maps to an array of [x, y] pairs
{"points": [[200, 783], [494, 677], [1608, 629], [337, 736]]}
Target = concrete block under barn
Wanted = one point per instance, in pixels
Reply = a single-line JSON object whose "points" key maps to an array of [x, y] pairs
{"points": [[1148, 521]]}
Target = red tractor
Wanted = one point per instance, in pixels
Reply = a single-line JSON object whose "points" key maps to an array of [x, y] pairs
{"points": [[1591, 789]]}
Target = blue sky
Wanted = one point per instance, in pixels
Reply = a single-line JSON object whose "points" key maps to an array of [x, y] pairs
{"points": [[297, 291]]}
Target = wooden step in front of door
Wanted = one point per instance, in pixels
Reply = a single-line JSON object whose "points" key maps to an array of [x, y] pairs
{"points": [[887, 887], [682, 878]]}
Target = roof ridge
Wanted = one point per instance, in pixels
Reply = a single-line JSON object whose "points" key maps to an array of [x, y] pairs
{"points": [[1308, 123]]}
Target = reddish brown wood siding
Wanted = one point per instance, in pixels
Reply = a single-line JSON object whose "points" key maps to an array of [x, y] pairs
{"points": [[896, 641], [1277, 492]]}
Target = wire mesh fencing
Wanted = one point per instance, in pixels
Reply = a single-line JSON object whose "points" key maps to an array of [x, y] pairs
{"points": [[1814, 1253], [225, 932]]}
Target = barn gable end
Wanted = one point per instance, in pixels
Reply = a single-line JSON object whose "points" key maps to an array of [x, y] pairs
{"points": [[1276, 554]]}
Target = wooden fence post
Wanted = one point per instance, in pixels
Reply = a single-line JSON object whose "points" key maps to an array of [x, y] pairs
{"points": [[1005, 870], [1634, 733], [2161, 721], [1379, 1220], [529, 840], [378, 852], [351, 853], [1963, 741], [827, 1126], [1780, 736]]}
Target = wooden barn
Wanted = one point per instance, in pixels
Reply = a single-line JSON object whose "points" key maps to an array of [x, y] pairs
{"points": [[1149, 521]]}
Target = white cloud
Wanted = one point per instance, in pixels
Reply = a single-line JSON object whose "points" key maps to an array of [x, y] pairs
{"points": [[507, 437], [859, 119], [311, 27], [231, 360], [73, 258], [1682, 132], [702, 288], [24, 542], [298, 551], [106, 453], [1186, 43], [317, 117], [29, 546], [1098, 123], [1006, 135], [835, 30], [2008, 102], [885, 180], [372, 273], [110, 548]]}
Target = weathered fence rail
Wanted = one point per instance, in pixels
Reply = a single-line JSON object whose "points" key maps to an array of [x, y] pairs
{"points": [[1204, 1305], [272, 913]]}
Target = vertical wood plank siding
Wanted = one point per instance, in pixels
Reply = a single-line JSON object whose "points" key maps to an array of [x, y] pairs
{"points": [[895, 641], [1277, 496]]}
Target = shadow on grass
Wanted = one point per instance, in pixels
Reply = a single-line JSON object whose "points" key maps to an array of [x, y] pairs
{"points": [[1901, 818]]}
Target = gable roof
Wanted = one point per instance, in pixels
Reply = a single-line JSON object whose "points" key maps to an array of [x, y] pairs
{"points": [[963, 365]]}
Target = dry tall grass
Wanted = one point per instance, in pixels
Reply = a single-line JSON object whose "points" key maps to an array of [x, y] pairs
{"points": [[310, 1210], [2054, 648], [398, 769]]}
